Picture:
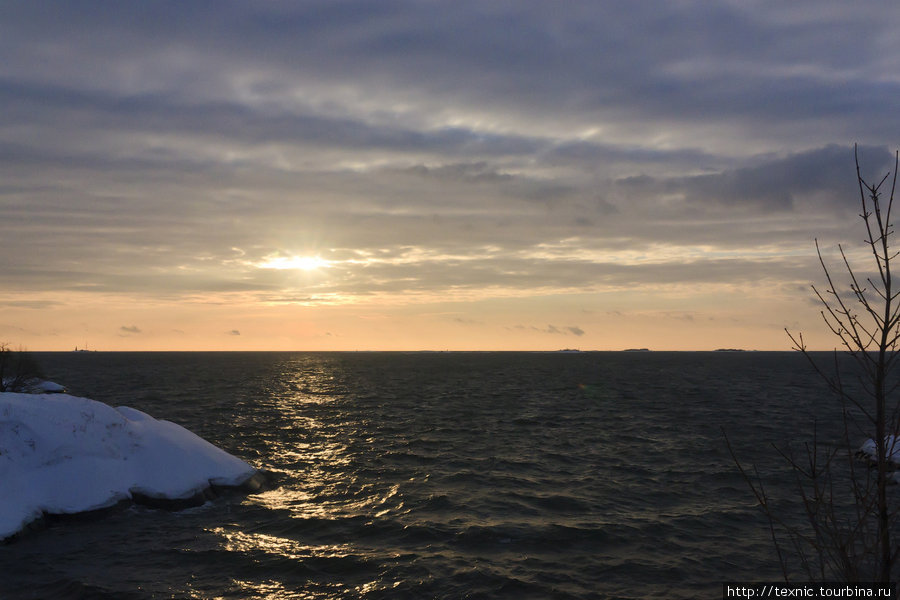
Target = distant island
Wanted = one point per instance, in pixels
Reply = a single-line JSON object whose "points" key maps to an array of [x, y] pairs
{"points": [[636, 350], [730, 350]]}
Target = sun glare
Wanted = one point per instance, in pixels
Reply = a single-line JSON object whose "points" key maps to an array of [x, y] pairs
{"points": [[303, 263]]}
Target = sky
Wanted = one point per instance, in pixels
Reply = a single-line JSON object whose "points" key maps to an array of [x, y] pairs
{"points": [[434, 175]]}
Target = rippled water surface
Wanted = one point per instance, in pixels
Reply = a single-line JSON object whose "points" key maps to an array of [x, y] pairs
{"points": [[445, 475]]}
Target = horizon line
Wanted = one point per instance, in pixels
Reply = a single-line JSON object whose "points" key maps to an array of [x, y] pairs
{"points": [[447, 351]]}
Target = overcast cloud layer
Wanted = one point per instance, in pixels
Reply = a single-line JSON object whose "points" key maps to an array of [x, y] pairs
{"points": [[174, 150]]}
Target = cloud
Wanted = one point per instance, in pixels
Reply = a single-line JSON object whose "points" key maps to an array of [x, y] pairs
{"points": [[776, 184], [773, 183], [35, 304], [234, 332], [519, 64], [132, 330], [431, 150], [553, 329], [467, 321]]}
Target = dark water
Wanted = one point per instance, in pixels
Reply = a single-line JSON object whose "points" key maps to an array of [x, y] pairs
{"points": [[448, 475]]}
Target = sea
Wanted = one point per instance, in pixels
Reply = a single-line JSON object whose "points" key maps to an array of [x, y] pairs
{"points": [[545, 475]]}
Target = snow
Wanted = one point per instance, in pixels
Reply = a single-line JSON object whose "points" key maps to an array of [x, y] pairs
{"points": [[38, 386], [60, 454], [892, 449]]}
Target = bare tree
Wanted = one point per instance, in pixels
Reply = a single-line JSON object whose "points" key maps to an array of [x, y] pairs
{"points": [[17, 369], [851, 515]]}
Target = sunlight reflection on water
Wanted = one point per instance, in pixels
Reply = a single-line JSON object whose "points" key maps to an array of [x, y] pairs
{"points": [[318, 488], [261, 546], [441, 476]]}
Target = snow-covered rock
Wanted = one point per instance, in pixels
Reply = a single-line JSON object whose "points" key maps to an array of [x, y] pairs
{"points": [[60, 454], [36, 386], [892, 450], [40, 386]]}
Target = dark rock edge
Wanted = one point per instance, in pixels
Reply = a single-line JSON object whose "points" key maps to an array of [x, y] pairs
{"points": [[259, 481]]}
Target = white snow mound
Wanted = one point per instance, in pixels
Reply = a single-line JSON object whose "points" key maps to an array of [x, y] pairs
{"points": [[61, 454], [891, 447]]}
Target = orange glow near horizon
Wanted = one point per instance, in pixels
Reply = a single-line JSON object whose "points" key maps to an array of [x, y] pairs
{"points": [[612, 321]]}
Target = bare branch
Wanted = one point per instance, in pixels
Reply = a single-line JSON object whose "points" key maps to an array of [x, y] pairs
{"points": [[837, 544]]}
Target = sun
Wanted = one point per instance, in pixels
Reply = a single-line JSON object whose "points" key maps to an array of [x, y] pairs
{"points": [[302, 263]]}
